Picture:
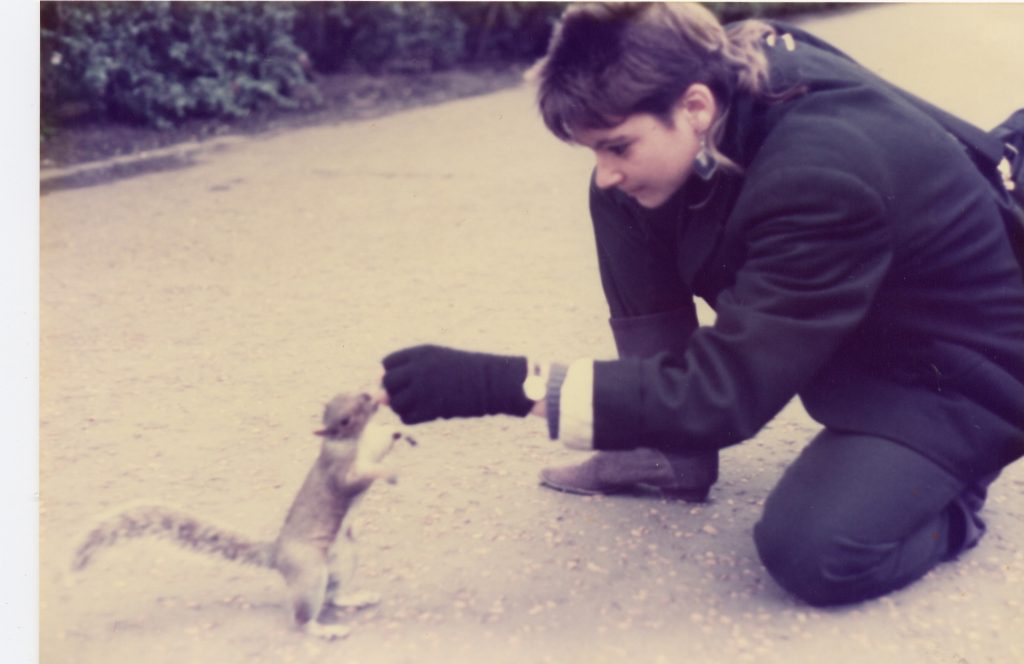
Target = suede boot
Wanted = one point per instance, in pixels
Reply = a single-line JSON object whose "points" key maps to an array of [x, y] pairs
{"points": [[683, 477]]}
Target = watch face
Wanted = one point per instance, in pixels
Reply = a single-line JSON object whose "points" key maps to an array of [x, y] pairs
{"points": [[534, 388]]}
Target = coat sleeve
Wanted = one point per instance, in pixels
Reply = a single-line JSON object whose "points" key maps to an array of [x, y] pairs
{"points": [[818, 245]]}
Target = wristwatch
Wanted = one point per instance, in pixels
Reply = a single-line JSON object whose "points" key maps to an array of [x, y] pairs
{"points": [[535, 387]]}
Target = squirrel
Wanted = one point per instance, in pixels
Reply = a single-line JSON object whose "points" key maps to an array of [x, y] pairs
{"points": [[304, 550]]}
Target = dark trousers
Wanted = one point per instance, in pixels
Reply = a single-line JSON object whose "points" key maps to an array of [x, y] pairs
{"points": [[855, 516]]}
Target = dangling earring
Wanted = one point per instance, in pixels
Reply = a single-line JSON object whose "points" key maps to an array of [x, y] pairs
{"points": [[704, 164]]}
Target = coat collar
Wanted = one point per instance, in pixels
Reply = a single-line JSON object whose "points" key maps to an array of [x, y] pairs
{"points": [[702, 207], [749, 119]]}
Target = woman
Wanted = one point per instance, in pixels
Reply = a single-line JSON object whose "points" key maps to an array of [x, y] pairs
{"points": [[854, 254]]}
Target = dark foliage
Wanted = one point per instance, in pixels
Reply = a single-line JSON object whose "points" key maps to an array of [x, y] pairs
{"points": [[160, 63]]}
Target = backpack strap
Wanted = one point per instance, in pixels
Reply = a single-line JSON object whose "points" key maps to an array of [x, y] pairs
{"points": [[998, 154], [985, 147], [1011, 134]]}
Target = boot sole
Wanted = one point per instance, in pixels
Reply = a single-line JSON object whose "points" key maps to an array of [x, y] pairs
{"points": [[699, 495], [576, 491]]}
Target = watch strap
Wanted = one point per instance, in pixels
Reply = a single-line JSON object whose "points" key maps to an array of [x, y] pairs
{"points": [[556, 376]]}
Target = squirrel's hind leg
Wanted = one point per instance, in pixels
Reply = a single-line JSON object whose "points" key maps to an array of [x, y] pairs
{"points": [[305, 572], [341, 571]]}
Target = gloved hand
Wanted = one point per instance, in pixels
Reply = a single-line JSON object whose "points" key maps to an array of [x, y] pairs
{"points": [[427, 382]]}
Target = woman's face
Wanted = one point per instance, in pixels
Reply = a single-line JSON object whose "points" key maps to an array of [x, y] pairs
{"points": [[646, 157]]}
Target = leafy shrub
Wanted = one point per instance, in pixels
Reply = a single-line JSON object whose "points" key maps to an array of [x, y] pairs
{"points": [[404, 36], [323, 30], [422, 36], [736, 11], [159, 62], [501, 31]]}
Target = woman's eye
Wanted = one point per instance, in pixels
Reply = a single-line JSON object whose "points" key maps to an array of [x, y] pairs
{"points": [[618, 150]]}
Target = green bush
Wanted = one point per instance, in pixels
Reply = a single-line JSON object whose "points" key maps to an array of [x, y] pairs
{"points": [[404, 36], [422, 36], [503, 31], [160, 62], [736, 11]]}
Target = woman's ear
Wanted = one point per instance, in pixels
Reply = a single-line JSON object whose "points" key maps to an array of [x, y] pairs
{"points": [[697, 106]]}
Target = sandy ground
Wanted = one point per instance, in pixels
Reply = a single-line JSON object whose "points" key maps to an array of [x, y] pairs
{"points": [[193, 322]]}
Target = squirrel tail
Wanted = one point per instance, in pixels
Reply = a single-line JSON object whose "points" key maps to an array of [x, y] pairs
{"points": [[177, 526]]}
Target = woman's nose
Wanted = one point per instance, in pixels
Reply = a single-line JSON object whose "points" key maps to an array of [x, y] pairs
{"points": [[605, 176]]}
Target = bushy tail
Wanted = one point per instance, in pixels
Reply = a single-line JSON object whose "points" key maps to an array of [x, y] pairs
{"points": [[177, 526]]}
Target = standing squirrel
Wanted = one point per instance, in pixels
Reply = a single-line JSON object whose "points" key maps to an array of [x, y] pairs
{"points": [[304, 550]]}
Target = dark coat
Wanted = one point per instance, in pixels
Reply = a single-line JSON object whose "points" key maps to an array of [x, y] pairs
{"points": [[859, 262]]}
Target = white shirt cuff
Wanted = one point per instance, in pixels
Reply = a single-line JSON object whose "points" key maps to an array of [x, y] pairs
{"points": [[576, 417]]}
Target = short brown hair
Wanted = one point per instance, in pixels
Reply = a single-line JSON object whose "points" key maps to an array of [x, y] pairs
{"points": [[608, 61]]}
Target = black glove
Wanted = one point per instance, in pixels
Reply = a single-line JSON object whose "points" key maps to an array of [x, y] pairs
{"points": [[428, 382]]}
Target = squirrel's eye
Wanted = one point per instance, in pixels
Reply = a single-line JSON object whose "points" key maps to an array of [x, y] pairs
{"points": [[345, 421]]}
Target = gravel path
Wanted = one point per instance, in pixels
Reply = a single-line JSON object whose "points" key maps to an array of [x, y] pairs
{"points": [[194, 320]]}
